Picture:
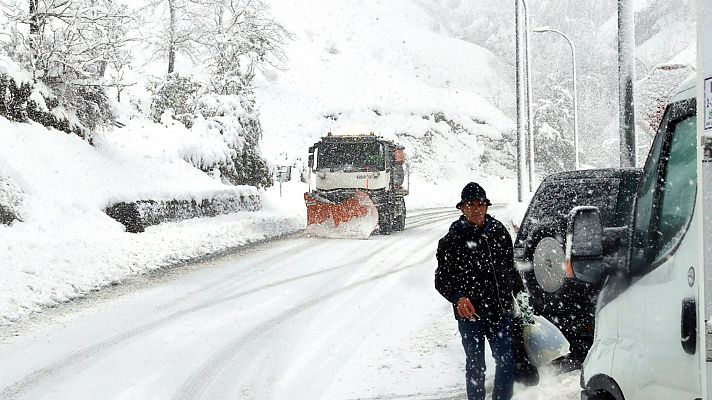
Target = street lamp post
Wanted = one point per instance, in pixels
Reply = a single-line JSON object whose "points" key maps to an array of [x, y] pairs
{"points": [[573, 73], [521, 137], [528, 82]]}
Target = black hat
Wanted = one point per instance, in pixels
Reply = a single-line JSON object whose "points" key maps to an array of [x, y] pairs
{"points": [[473, 191]]}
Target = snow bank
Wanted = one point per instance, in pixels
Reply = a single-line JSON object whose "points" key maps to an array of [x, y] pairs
{"points": [[65, 246]]}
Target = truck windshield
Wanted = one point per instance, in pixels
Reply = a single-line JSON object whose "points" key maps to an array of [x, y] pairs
{"points": [[350, 156]]}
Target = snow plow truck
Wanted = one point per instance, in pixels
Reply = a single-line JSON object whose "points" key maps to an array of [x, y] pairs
{"points": [[360, 182]]}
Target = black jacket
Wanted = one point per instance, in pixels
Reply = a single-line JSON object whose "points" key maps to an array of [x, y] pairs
{"points": [[478, 263]]}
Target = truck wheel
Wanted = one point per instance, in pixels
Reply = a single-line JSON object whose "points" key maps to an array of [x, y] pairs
{"points": [[385, 221], [399, 223], [549, 259]]}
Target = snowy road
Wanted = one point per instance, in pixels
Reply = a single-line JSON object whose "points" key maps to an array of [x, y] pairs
{"points": [[297, 318]]}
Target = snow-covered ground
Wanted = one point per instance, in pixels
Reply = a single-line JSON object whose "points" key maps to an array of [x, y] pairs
{"points": [[295, 318]]}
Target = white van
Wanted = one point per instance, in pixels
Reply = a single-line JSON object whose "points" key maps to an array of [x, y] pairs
{"points": [[646, 342]]}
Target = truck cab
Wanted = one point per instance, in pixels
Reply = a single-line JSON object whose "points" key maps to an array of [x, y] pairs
{"points": [[649, 333], [357, 175]]}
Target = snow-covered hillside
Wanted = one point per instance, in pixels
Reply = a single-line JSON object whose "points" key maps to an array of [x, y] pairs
{"points": [[389, 67]]}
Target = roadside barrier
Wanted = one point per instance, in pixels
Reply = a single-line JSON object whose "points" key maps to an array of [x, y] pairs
{"points": [[138, 215]]}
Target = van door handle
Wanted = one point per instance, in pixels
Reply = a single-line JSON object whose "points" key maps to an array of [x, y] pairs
{"points": [[688, 331]]}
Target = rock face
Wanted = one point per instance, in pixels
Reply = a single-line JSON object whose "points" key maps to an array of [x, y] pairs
{"points": [[138, 215], [10, 200]]}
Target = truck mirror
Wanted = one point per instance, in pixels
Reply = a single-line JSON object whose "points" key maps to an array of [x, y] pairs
{"points": [[584, 245], [310, 160], [398, 156]]}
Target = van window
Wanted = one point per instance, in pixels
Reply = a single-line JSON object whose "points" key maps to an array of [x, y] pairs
{"points": [[554, 200], [666, 195], [643, 209], [678, 195], [626, 196]]}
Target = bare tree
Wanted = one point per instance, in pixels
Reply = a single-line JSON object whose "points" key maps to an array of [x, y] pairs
{"points": [[238, 37], [171, 29]]}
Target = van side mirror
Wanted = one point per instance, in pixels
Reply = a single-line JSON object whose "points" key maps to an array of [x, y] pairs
{"points": [[584, 245]]}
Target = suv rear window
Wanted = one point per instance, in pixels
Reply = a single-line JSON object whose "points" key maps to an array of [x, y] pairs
{"points": [[554, 200]]}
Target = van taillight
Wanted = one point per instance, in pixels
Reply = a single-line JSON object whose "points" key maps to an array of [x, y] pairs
{"points": [[569, 269]]}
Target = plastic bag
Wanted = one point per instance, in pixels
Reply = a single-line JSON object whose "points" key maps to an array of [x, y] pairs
{"points": [[525, 372], [543, 341]]}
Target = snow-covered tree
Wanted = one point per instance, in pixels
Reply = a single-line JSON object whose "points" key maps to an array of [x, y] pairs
{"points": [[177, 94], [233, 116], [171, 29], [58, 39], [68, 45], [553, 127], [237, 120], [24, 100], [234, 39], [239, 37]]}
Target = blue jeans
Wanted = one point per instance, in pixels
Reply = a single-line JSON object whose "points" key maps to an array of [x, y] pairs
{"points": [[499, 334]]}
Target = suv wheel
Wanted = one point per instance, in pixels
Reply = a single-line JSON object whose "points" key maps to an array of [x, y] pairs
{"points": [[548, 262]]}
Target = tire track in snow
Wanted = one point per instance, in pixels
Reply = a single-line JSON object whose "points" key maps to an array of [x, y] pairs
{"points": [[200, 384], [430, 215], [75, 360], [225, 280], [199, 381], [449, 393]]}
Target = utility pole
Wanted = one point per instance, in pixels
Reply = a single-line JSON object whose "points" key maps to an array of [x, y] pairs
{"points": [[626, 77], [521, 139]]}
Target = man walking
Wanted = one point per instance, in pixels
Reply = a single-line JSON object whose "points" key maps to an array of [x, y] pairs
{"points": [[476, 274]]}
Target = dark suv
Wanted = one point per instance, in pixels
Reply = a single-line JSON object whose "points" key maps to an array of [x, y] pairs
{"points": [[539, 247]]}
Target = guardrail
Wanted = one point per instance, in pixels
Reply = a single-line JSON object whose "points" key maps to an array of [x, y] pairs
{"points": [[138, 215]]}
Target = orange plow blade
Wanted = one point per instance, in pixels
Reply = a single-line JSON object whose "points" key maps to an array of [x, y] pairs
{"points": [[354, 216]]}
